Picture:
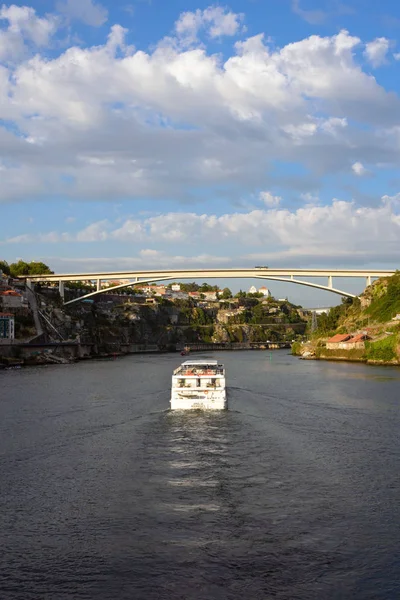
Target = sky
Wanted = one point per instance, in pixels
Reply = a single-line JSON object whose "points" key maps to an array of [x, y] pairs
{"points": [[161, 134]]}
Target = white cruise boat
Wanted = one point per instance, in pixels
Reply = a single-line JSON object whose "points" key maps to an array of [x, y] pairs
{"points": [[199, 384]]}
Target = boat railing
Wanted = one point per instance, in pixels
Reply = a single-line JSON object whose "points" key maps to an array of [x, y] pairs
{"points": [[199, 372]]}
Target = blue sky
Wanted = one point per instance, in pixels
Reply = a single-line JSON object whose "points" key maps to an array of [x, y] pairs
{"points": [[150, 134]]}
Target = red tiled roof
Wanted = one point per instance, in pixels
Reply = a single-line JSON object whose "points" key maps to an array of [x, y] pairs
{"points": [[360, 337], [10, 293], [6, 314], [340, 337]]}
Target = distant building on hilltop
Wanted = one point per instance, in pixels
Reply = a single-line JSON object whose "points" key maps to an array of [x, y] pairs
{"points": [[253, 290], [264, 291]]}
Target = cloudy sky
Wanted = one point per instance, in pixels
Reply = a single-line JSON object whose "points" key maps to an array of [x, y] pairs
{"points": [[160, 133]]}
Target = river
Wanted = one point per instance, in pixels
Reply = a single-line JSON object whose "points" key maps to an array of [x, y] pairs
{"points": [[293, 493]]}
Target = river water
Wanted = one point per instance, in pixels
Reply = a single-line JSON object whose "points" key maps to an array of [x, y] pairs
{"points": [[293, 493]]}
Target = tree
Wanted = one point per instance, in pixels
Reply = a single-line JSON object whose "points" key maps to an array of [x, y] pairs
{"points": [[226, 293], [189, 287], [5, 267], [21, 268]]}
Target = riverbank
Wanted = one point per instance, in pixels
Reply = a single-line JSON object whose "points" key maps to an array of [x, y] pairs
{"points": [[364, 329], [20, 355], [316, 350]]}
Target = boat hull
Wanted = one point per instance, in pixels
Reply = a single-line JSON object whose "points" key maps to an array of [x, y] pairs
{"points": [[199, 401]]}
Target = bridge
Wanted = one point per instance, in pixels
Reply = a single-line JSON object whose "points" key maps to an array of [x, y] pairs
{"points": [[138, 278]]}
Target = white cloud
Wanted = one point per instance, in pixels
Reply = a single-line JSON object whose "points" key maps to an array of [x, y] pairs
{"points": [[376, 51], [24, 27], [310, 199], [269, 199], [341, 230], [359, 169], [87, 11], [216, 20], [109, 121]]}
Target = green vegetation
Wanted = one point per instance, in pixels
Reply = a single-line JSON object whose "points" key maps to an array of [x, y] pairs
{"points": [[356, 354], [195, 287], [328, 323], [242, 294], [5, 267], [23, 268], [372, 314], [296, 347], [382, 350], [386, 301]]}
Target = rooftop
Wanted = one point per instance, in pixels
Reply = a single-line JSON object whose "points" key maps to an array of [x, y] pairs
{"points": [[340, 337], [199, 362]]}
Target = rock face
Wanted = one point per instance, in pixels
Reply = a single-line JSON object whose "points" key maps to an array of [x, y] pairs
{"points": [[111, 325]]}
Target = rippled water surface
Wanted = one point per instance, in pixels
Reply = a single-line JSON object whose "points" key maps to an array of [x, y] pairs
{"points": [[293, 493]]}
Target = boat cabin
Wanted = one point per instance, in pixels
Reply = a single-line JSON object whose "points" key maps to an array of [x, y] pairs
{"points": [[199, 374]]}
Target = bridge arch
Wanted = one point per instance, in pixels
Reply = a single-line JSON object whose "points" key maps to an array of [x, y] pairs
{"points": [[173, 278]]}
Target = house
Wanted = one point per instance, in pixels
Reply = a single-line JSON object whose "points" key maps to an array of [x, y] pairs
{"points": [[264, 291], [156, 290], [358, 341], [253, 290], [7, 326], [11, 299], [335, 342], [178, 295], [176, 287], [210, 296], [3, 281], [346, 341]]}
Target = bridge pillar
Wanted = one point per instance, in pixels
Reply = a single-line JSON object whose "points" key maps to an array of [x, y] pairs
{"points": [[369, 280], [28, 283], [98, 285], [330, 282], [61, 289]]}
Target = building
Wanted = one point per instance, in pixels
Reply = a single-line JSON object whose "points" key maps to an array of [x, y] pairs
{"points": [[156, 290], [3, 281], [264, 291], [11, 299], [210, 296], [176, 287], [114, 282], [7, 326], [346, 341], [253, 290]]}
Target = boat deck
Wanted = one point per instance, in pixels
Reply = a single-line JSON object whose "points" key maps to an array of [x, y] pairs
{"points": [[197, 369]]}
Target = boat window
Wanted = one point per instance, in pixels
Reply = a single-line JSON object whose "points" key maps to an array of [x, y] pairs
{"points": [[199, 382], [181, 382]]}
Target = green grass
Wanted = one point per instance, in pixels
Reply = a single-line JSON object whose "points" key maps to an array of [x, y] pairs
{"points": [[384, 350], [352, 354], [296, 348], [385, 306]]}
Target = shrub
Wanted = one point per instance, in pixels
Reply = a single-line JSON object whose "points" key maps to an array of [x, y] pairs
{"points": [[384, 350]]}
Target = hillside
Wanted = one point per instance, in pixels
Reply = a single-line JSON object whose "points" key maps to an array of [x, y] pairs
{"points": [[375, 314]]}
